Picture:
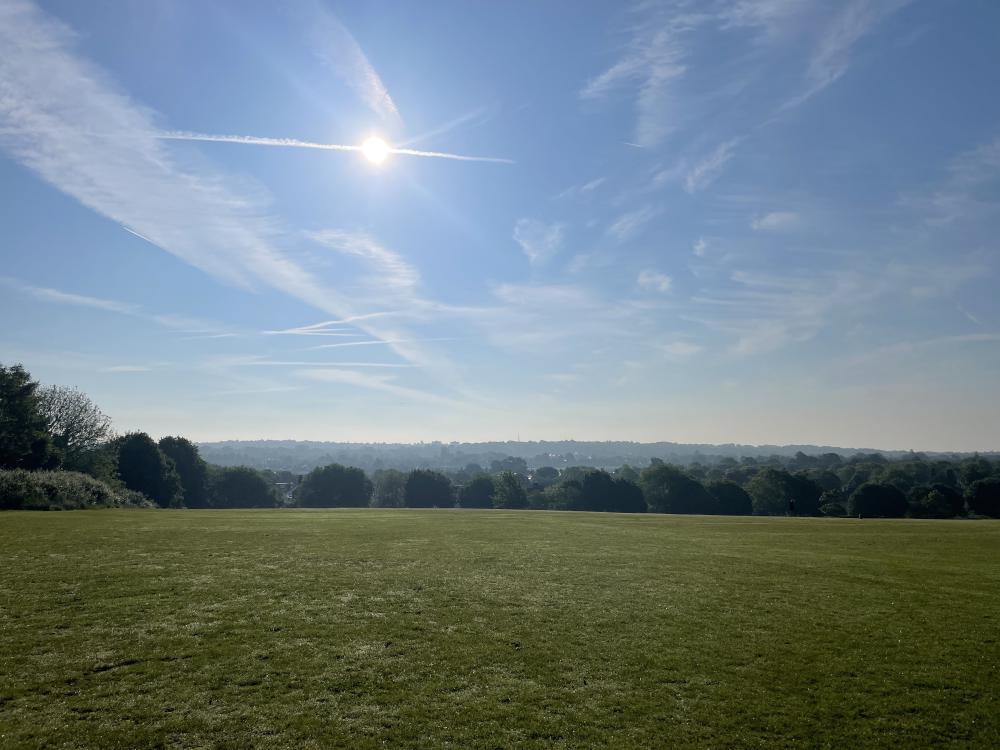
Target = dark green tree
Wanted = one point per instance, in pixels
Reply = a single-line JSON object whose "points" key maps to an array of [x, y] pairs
{"points": [[627, 497], [191, 469], [25, 442], [936, 501], [143, 467], [545, 475], [428, 489], [240, 487], [334, 486], [984, 497], [667, 489], [732, 499], [478, 493], [509, 493], [875, 499]]}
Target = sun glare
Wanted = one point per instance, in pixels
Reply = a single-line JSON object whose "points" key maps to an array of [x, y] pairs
{"points": [[375, 150]]}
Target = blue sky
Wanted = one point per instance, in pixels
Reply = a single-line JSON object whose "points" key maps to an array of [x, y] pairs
{"points": [[759, 221]]}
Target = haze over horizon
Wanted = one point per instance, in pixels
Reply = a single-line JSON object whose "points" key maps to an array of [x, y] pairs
{"points": [[764, 222]]}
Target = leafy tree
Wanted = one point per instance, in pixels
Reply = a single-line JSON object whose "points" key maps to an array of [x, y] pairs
{"points": [[669, 490], [389, 489], [509, 494], [628, 473], [545, 475], [875, 499], [240, 487], [428, 489], [478, 493], [191, 469], [773, 492], [143, 468], [561, 496], [77, 427], [24, 439], [984, 497], [973, 469], [334, 486], [732, 499], [936, 501], [627, 497]]}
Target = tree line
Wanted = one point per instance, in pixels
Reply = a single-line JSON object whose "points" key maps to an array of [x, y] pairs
{"points": [[56, 446]]}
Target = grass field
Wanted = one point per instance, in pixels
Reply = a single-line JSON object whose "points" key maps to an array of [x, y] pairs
{"points": [[487, 629]]}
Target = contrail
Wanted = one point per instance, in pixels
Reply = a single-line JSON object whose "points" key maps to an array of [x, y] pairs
{"points": [[250, 140]]}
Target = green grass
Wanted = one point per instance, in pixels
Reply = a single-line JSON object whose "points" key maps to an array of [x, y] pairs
{"points": [[369, 628]]}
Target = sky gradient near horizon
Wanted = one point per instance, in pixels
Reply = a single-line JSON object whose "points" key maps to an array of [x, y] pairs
{"points": [[752, 221]]}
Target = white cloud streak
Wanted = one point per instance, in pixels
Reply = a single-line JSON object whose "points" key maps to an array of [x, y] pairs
{"points": [[252, 140], [337, 47], [707, 171]]}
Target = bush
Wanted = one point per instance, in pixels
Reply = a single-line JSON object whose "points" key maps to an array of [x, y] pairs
{"points": [[62, 490]]}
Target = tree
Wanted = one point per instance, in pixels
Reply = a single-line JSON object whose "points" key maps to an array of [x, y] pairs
{"points": [[240, 487], [876, 499], [334, 486], [76, 425], [984, 497], [24, 439], [545, 475], [428, 489], [191, 469], [389, 489], [143, 467], [627, 497], [771, 490], [478, 493], [732, 499], [669, 490], [936, 501], [509, 493]]}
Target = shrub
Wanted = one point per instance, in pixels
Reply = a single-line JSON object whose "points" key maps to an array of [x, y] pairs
{"points": [[63, 490]]}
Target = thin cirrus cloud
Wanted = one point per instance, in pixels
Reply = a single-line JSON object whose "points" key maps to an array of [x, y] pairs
{"points": [[178, 323], [53, 103], [337, 48]]}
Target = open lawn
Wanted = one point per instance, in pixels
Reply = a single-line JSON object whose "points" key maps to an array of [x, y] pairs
{"points": [[372, 628]]}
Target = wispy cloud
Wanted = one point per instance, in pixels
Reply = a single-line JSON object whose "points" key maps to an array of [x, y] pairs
{"points": [[774, 221], [68, 298], [629, 224], [654, 281], [177, 323], [337, 47], [707, 171], [965, 191], [654, 58], [54, 102], [832, 56], [539, 240]]}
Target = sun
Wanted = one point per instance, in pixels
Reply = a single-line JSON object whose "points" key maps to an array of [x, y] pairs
{"points": [[375, 150]]}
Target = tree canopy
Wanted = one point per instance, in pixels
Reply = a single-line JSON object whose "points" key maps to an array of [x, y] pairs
{"points": [[334, 486], [25, 442]]}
